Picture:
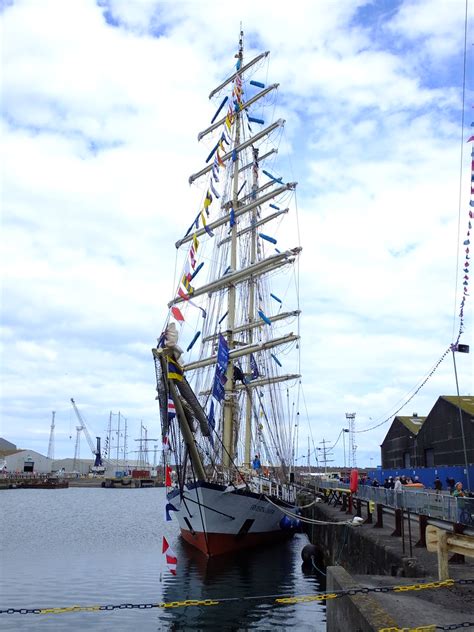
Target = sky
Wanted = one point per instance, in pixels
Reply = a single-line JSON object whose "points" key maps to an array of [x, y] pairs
{"points": [[101, 106]]}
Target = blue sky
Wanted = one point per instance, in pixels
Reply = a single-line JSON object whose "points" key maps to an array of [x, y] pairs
{"points": [[101, 107]]}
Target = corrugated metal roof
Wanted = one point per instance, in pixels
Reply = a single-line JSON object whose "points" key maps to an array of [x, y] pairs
{"points": [[465, 402], [4, 453], [413, 424]]}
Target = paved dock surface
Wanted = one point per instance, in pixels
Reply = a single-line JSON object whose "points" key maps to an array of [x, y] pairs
{"points": [[441, 606]]}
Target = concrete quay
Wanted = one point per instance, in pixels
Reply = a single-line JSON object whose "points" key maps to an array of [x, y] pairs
{"points": [[370, 556]]}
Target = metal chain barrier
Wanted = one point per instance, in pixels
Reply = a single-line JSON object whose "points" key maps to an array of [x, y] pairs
{"points": [[277, 600], [431, 628]]}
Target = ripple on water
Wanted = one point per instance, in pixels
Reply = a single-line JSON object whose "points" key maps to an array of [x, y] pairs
{"points": [[103, 546]]}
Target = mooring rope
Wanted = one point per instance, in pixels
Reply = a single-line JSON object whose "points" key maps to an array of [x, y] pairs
{"points": [[296, 516]]}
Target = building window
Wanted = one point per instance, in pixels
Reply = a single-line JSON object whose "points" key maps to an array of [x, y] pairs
{"points": [[28, 466], [406, 460], [429, 457]]}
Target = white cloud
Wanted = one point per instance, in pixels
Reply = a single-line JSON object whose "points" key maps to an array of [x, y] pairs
{"points": [[99, 126]]}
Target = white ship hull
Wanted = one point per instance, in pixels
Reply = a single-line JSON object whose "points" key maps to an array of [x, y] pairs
{"points": [[217, 519]]}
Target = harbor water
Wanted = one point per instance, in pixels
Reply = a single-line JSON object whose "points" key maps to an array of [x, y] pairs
{"points": [[82, 546]]}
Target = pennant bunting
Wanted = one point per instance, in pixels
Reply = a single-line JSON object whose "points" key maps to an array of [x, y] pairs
{"points": [[183, 294], [466, 243], [177, 315], [221, 368], [253, 367], [166, 442], [168, 508], [170, 557], [193, 341], [213, 189], [168, 481], [197, 270], [212, 422], [198, 307], [265, 319], [175, 370], [171, 413]]}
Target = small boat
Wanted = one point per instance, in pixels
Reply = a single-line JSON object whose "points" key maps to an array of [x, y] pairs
{"points": [[229, 401]]}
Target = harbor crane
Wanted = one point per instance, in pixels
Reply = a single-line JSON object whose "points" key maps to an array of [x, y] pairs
{"points": [[98, 466], [51, 439]]}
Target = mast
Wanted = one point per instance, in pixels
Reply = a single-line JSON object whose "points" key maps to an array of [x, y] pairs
{"points": [[229, 397], [251, 310]]}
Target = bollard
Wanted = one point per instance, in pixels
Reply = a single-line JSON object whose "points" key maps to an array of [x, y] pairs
{"points": [[423, 523], [369, 512], [457, 558], [397, 532], [379, 523], [344, 502]]}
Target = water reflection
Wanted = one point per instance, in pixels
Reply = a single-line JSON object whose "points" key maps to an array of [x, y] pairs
{"points": [[240, 579], [99, 546]]}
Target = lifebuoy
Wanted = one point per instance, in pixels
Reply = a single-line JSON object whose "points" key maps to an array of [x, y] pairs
{"points": [[354, 481]]}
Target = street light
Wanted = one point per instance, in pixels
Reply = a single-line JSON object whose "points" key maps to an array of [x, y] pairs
{"points": [[461, 349], [344, 430]]}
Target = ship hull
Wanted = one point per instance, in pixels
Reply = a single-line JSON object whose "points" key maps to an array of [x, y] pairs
{"points": [[218, 520]]}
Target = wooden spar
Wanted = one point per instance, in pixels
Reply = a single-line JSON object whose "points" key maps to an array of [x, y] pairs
{"points": [[242, 70], [232, 278], [238, 212], [256, 225], [241, 328], [245, 105], [243, 351], [239, 147]]}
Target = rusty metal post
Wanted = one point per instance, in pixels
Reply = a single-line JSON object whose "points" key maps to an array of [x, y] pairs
{"points": [[423, 523], [369, 513], [457, 558], [379, 523], [344, 502], [398, 523]]}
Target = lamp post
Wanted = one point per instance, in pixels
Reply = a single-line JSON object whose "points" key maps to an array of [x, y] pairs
{"points": [[461, 349], [352, 449], [344, 430]]}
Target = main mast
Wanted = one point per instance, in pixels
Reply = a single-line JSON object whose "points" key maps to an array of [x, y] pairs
{"points": [[251, 310], [229, 389]]}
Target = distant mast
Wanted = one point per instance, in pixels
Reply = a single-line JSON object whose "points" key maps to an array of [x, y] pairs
{"points": [[51, 438]]}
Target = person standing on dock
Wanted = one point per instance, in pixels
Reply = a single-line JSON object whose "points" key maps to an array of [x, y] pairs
{"points": [[450, 483]]}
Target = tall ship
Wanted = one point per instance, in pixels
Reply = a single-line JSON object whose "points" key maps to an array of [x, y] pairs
{"points": [[228, 359]]}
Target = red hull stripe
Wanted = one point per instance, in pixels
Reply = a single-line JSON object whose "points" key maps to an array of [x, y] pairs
{"points": [[212, 544]]}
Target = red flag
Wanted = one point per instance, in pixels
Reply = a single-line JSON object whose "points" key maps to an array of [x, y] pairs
{"points": [[183, 294], [168, 476], [177, 314], [170, 556]]}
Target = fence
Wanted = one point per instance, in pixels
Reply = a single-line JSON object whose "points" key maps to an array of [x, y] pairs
{"points": [[427, 503]]}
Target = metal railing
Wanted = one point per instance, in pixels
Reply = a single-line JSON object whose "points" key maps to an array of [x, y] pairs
{"points": [[428, 503]]}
